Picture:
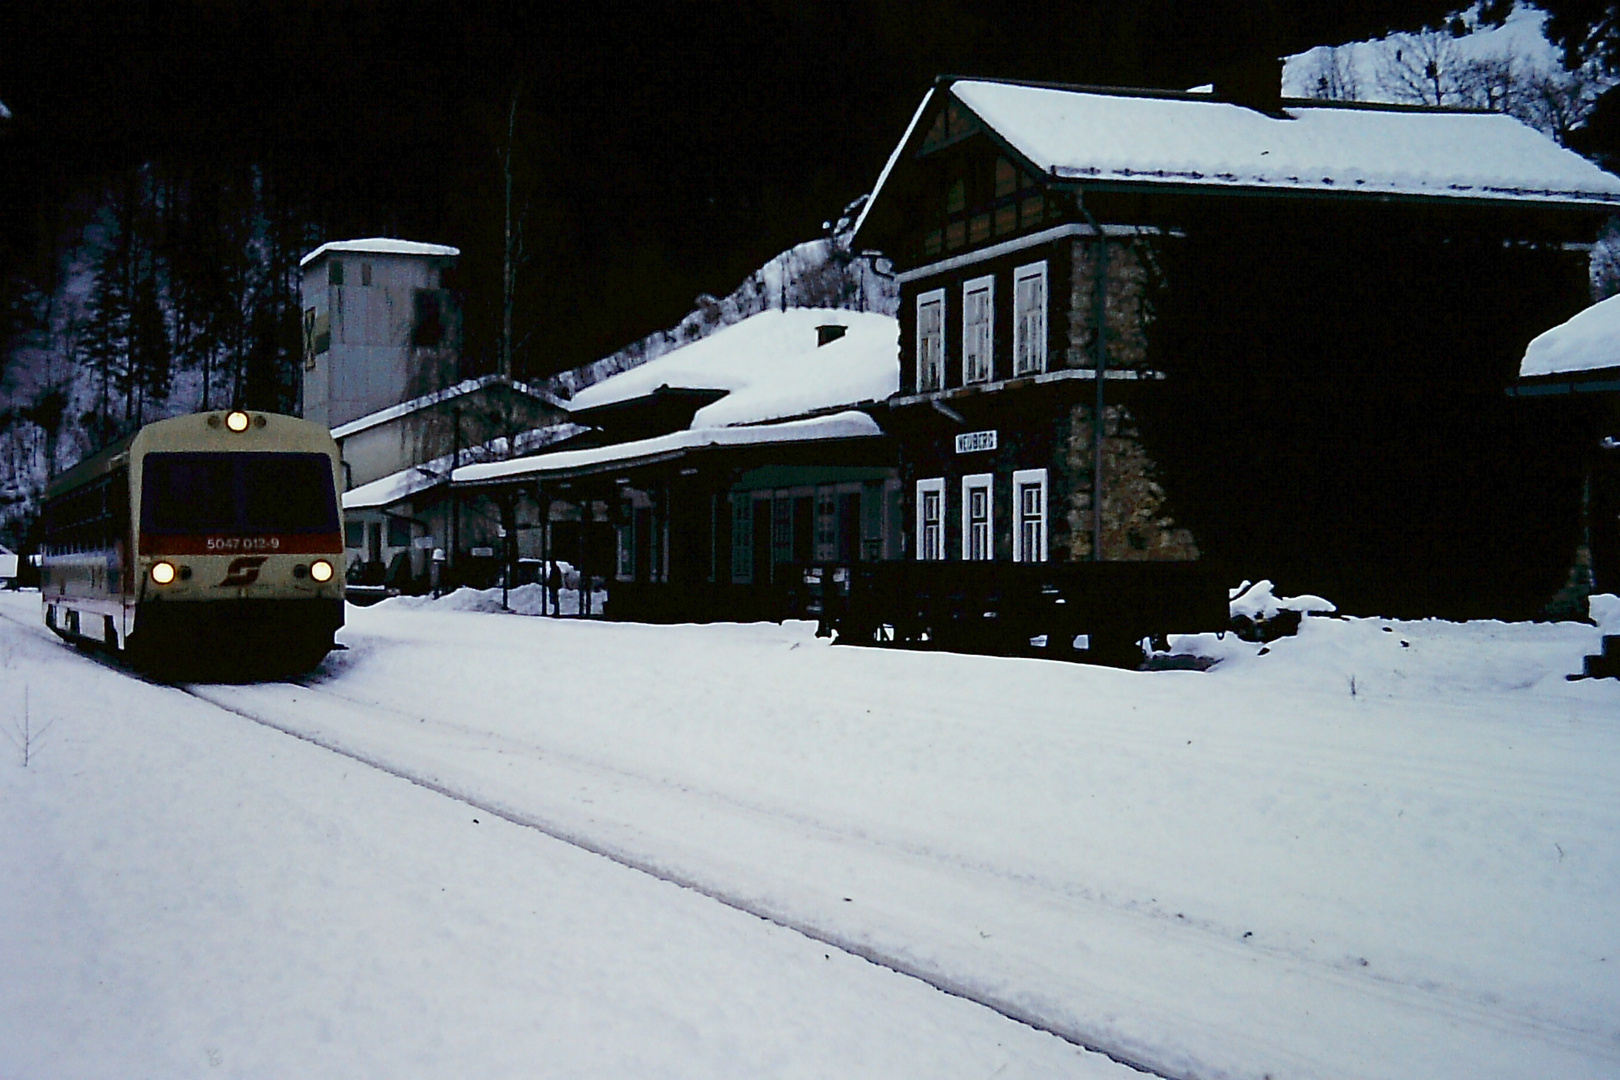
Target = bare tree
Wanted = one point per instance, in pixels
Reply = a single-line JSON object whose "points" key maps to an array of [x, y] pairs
{"points": [[1432, 68], [1426, 68], [1332, 75]]}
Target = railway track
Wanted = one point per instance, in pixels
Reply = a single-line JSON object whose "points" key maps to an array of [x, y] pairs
{"points": [[574, 838], [216, 697]]}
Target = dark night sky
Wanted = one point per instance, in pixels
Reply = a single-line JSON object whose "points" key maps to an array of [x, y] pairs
{"points": [[666, 151]]}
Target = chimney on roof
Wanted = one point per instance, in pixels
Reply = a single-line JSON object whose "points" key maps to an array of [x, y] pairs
{"points": [[829, 332], [1254, 82]]}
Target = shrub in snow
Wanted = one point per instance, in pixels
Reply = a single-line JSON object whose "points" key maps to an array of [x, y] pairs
{"points": [[1260, 615]]}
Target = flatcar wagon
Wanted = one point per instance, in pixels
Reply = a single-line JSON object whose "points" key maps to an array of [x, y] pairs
{"points": [[211, 537]]}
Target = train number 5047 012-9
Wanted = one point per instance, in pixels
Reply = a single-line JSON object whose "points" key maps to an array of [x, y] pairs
{"points": [[230, 545]]}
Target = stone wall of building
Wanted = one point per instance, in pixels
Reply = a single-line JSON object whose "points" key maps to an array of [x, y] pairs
{"points": [[1133, 281], [1136, 522]]}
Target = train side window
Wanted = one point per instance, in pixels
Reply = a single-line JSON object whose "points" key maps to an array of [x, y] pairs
{"points": [[931, 519], [1029, 515]]}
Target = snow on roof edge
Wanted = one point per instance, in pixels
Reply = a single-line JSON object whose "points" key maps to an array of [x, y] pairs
{"points": [[894, 157], [405, 408], [1561, 197], [381, 245], [1347, 188], [850, 424], [1587, 341], [390, 489]]}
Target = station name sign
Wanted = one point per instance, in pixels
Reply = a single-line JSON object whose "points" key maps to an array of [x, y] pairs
{"points": [[971, 442]]}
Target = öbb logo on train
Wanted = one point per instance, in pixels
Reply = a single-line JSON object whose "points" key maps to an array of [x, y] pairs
{"points": [[243, 571]]}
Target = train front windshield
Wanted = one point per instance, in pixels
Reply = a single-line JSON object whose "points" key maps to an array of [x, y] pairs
{"points": [[240, 494]]}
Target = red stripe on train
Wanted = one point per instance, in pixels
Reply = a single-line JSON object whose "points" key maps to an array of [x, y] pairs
{"points": [[284, 544]]}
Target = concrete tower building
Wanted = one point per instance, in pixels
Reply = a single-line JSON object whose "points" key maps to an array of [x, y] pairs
{"points": [[379, 326]]}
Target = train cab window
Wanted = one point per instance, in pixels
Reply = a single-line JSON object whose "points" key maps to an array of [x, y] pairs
{"points": [[238, 493], [188, 493], [287, 492]]}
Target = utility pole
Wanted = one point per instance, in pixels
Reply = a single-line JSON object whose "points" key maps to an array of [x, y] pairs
{"points": [[513, 247], [455, 498]]}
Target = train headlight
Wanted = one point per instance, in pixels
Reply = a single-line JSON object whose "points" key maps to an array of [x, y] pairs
{"points": [[321, 570], [237, 421], [163, 572]]}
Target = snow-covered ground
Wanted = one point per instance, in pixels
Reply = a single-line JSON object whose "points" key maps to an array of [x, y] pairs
{"points": [[1376, 849]]}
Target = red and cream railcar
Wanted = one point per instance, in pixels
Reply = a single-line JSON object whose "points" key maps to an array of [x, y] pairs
{"points": [[212, 536]]}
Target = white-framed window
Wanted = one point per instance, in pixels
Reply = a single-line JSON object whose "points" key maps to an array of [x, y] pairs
{"points": [[978, 517], [931, 519], [626, 569], [931, 340], [978, 329], [742, 537], [1029, 515], [1029, 319]]}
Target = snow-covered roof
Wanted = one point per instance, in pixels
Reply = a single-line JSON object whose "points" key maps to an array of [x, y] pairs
{"points": [[845, 425], [405, 408], [390, 489], [395, 487], [772, 367], [380, 245], [1588, 342], [1181, 140]]}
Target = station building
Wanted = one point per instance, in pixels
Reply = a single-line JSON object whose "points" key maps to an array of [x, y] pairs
{"points": [[1273, 335]]}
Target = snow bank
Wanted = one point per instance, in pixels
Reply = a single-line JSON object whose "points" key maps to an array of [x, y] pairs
{"points": [[191, 894], [1605, 611], [522, 600], [1378, 849], [1258, 602]]}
